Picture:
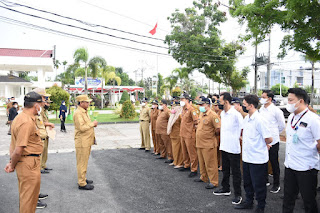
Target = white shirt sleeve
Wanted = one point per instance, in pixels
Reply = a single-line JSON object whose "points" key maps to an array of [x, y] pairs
{"points": [[263, 129], [315, 129], [280, 120], [240, 120]]}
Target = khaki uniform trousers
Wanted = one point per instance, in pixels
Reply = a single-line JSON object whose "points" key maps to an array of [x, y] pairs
{"points": [[177, 151], [166, 150], [82, 156], [44, 155], [208, 165], [154, 140], [145, 134], [189, 153], [29, 178]]}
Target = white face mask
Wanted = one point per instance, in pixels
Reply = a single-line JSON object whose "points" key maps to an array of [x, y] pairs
{"points": [[39, 111], [182, 103], [16, 106], [161, 107], [263, 101], [63, 103], [292, 107], [143, 104]]}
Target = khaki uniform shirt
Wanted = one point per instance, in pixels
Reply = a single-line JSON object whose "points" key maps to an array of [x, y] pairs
{"points": [[9, 106], [84, 128], [40, 120], [189, 118], [154, 115], [162, 122], [145, 114], [24, 132], [206, 132], [175, 132]]}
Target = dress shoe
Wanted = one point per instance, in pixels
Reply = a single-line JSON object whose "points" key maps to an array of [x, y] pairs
{"points": [[198, 180], [42, 196], [210, 186], [147, 150], [86, 187], [244, 205], [44, 171], [192, 174], [182, 169], [168, 161], [161, 158], [177, 167], [141, 148], [48, 169], [41, 205], [89, 181], [171, 164]]}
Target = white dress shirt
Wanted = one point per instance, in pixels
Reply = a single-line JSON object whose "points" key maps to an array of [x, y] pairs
{"points": [[274, 120], [231, 125], [254, 147], [303, 155]]}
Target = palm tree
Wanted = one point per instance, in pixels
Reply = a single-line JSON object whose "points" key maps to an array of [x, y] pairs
{"points": [[64, 63], [111, 75], [56, 64], [171, 82], [182, 73], [81, 55]]}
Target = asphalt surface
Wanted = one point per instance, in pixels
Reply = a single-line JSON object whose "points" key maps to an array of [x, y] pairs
{"points": [[125, 180]]}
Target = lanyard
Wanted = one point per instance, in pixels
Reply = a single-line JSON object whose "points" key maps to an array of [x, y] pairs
{"points": [[294, 127]]}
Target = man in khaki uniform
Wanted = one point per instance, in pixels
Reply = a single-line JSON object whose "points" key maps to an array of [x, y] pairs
{"points": [[84, 138], [144, 126], [25, 150], [154, 116], [207, 144], [161, 129], [189, 121], [173, 130], [43, 121]]}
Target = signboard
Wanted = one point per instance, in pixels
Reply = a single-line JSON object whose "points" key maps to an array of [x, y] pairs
{"points": [[92, 82]]}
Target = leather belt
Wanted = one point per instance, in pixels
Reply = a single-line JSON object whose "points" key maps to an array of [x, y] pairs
{"points": [[32, 155], [143, 120]]}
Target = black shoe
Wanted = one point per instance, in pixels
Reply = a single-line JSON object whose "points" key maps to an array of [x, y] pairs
{"points": [[244, 205], [192, 174], [44, 171], [41, 205], [275, 189], [237, 200], [182, 169], [47, 169], [259, 210], [168, 161], [9, 133], [198, 180], [210, 186], [161, 158], [141, 148], [89, 181], [222, 192], [42, 196], [147, 150], [86, 187]]}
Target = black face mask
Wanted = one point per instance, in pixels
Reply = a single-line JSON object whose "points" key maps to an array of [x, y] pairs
{"points": [[46, 107], [245, 109], [220, 106]]}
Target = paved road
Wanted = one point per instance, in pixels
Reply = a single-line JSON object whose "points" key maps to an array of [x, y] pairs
{"points": [[126, 180]]}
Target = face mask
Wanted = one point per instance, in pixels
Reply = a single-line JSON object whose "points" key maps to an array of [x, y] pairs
{"points": [[161, 107], [46, 107], [143, 104], [173, 111], [63, 103], [220, 106], [15, 106], [292, 107], [182, 103], [39, 111], [202, 109], [263, 101]]}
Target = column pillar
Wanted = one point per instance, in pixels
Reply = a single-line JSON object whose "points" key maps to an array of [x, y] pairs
{"points": [[41, 78]]}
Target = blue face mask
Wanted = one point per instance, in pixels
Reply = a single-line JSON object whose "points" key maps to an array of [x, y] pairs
{"points": [[202, 109]]}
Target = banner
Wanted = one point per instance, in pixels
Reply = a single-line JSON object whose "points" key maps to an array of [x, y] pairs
{"points": [[92, 82]]}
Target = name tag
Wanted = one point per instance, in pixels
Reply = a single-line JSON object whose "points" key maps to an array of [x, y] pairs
{"points": [[295, 138]]}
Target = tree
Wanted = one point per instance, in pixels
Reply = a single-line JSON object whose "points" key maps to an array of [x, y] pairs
{"points": [[276, 89], [171, 82], [160, 89], [112, 77], [81, 55], [176, 92], [181, 74], [299, 18], [238, 80], [312, 61], [195, 41], [124, 97], [128, 110], [57, 96]]}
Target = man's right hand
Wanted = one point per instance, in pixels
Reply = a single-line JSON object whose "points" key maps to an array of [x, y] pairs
{"points": [[95, 123], [8, 168]]}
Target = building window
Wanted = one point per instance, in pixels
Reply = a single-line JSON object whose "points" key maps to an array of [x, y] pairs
{"points": [[300, 81]]}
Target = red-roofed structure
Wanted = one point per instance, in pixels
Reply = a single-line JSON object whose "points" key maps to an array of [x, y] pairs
{"points": [[26, 53]]}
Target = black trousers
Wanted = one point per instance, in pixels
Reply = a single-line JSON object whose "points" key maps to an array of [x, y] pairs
{"points": [[274, 160], [304, 181], [63, 127], [232, 161], [254, 182]]}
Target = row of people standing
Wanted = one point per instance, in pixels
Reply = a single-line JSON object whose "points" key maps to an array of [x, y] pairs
{"points": [[246, 142]]}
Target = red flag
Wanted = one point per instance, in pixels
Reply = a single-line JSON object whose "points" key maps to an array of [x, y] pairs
{"points": [[153, 31]]}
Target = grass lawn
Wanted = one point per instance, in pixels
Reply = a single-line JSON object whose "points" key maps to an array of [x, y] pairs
{"points": [[101, 118]]}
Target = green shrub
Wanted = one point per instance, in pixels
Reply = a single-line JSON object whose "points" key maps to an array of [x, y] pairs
{"points": [[124, 97], [128, 110], [276, 90], [137, 103]]}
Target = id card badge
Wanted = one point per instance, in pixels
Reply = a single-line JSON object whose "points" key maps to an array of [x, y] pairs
{"points": [[295, 138]]}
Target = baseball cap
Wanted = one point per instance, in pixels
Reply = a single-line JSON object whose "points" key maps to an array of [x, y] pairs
{"points": [[41, 91], [235, 100], [32, 97], [204, 101], [83, 98]]}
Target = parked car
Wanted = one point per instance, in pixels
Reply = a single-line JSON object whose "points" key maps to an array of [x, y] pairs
{"points": [[280, 101]]}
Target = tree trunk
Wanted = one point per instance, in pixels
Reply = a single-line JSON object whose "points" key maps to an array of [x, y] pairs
{"points": [[102, 102], [312, 85]]}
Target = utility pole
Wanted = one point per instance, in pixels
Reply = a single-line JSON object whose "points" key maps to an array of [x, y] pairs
{"points": [[255, 91], [269, 64]]}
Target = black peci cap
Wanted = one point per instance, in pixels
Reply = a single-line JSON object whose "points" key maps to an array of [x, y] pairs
{"points": [[33, 97]]}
